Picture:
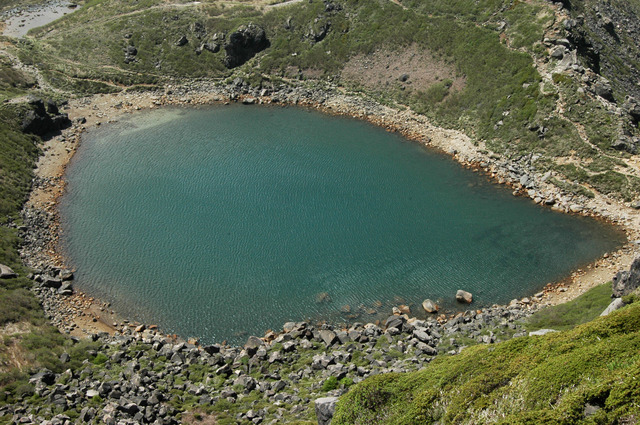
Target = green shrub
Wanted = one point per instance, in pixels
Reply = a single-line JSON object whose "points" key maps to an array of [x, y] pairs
{"points": [[541, 379], [331, 383]]}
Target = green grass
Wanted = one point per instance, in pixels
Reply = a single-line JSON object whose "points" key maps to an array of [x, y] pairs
{"points": [[566, 316], [526, 380]]}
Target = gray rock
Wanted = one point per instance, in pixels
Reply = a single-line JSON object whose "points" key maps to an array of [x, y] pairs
{"points": [[590, 410], [626, 282], [558, 52], [51, 282], [65, 289], [422, 335], [604, 90], [325, 409], [615, 305], [92, 393], [45, 376], [247, 382], [6, 272], [464, 296], [211, 47], [66, 275], [568, 60], [625, 143], [329, 337], [394, 321], [252, 345]]}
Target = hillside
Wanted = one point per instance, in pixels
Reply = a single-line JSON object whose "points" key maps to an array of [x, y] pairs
{"points": [[546, 93]]}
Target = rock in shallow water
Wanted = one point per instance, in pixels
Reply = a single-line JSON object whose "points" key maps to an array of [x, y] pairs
{"points": [[429, 306], [464, 296]]}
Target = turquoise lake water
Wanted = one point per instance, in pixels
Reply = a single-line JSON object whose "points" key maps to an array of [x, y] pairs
{"points": [[225, 221]]}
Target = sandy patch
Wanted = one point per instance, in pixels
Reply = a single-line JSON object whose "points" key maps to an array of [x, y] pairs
{"points": [[411, 69]]}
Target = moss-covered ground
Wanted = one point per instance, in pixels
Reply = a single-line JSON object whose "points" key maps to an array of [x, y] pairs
{"points": [[527, 380]]}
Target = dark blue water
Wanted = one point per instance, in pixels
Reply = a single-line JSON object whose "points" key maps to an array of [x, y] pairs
{"points": [[226, 221]]}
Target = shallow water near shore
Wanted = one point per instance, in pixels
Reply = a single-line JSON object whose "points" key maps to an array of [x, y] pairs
{"points": [[225, 221], [19, 22]]}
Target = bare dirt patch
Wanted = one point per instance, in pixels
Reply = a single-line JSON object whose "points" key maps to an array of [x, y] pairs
{"points": [[12, 355], [411, 68]]}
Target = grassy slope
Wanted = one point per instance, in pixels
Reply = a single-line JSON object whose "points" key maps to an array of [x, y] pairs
{"points": [[35, 342], [575, 312], [527, 380]]}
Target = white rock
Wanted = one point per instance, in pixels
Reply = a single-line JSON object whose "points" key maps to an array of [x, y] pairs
{"points": [[542, 332]]}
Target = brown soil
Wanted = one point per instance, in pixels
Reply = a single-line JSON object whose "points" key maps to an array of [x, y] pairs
{"points": [[386, 67], [13, 354]]}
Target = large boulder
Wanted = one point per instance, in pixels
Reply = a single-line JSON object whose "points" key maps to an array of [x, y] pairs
{"points": [[616, 304], [329, 337], [40, 122], [625, 282], [464, 296], [243, 44], [325, 409], [429, 306], [603, 89], [6, 272]]}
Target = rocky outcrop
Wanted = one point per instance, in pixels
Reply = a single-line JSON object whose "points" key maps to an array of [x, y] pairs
{"points": [[243, 44], [42, 121], [130, 53], [625, 282]]}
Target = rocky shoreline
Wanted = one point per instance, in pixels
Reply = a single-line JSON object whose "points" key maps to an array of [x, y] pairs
{"points": [[139, 374], [143, 375], [40, 230]]}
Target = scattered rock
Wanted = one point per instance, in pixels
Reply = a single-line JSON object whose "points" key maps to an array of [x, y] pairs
{"points": [[325, 409], [6, 272], [429, 306], [464, 297]]}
